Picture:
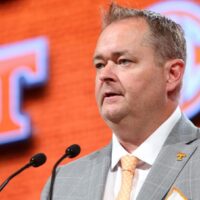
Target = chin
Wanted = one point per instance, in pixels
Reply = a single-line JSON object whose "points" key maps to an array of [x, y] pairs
{"points": [[113, 116]]}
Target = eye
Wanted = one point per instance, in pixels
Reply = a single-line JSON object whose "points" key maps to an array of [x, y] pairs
{"points": [[99, 65], [124, 61]]}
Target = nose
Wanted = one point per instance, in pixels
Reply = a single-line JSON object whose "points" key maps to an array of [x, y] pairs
{"points": [[108, 72]]}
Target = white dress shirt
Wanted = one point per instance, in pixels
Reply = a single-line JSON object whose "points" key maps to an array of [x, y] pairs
{"points": [[146, 152]]}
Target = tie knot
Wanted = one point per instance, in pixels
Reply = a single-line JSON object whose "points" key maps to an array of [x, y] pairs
{"points": [[129, 163]]}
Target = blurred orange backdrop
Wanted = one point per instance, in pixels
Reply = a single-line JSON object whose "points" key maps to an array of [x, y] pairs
{"points": [[63, 111]]}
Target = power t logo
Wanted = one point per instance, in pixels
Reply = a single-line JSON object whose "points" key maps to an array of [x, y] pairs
{"points": [[22, 65], [187, 14]]}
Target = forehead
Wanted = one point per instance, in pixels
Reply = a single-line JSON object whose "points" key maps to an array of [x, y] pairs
{"points": [[123, 35]]}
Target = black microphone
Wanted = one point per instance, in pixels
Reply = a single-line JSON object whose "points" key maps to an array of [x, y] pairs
{"points": [[71, 152], [36, 161]]}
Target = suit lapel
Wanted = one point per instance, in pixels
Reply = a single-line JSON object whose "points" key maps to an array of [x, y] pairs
{"points": [[167, 166], [165, 171]]}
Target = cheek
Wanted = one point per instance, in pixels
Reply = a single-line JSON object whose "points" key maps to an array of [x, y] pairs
{"points": [[97, 88], [134, 94], [132, 84], [143, 85]]}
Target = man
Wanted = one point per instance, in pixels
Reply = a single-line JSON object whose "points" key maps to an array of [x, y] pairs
{"points": [[140, 60]]}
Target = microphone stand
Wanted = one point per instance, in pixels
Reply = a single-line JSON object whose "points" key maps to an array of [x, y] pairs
{"points": [[13, 175], [54, 175], [71, 152], [36, 161]]}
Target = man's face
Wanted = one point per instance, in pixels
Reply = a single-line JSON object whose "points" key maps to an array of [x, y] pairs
{"points": [[129, 84]]}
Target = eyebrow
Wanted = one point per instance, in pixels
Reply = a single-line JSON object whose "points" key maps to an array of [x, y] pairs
{"points": [[114, 54], [97, 57]]}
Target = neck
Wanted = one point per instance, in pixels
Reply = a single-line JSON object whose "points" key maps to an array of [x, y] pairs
{"points": [[133, 132]]}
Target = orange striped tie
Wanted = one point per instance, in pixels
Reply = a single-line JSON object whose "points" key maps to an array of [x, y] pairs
{"points": [[128, 164]]}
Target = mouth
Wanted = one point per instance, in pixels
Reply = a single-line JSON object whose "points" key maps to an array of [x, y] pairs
{"points": [[111, 95]]}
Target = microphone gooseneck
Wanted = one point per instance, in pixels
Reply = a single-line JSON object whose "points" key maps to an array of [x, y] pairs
{"points": [[36, 161], [71, 152]]}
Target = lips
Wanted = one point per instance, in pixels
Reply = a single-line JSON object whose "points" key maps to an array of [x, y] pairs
{"points": [[111, 94]]}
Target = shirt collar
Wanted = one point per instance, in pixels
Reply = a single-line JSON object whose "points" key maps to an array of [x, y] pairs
{"points": [[149, 149]]}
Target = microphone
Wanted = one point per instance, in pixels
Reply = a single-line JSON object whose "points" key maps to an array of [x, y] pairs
{"points": [[36, 161], [71, 152]]}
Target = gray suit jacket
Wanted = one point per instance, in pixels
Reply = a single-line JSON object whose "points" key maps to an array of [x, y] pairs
{"points": [[85, 178]]}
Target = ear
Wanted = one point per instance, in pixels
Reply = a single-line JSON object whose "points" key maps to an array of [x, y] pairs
{"points": [[174, 70]]}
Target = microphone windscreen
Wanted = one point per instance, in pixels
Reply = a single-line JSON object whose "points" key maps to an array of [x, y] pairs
{"points": [[38, 159], [73, 150]]}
